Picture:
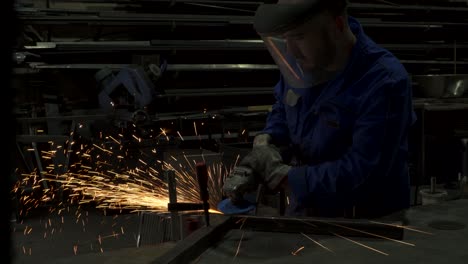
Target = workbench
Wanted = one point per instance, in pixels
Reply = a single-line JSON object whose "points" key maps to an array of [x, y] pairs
{"points": [[441, 237]]}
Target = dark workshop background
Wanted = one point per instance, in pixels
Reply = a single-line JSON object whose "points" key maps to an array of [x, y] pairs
{"points": [[200, 63]]}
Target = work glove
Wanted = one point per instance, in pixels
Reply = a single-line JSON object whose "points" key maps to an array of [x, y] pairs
{"points": [[267, 164], [262, 139], [263, 164]]}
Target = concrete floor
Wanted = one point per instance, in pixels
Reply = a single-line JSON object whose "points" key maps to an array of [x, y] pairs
{"points": [[80, 236]]}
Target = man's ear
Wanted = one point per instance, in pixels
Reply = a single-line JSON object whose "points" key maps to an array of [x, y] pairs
{"points": [[340, 23]]}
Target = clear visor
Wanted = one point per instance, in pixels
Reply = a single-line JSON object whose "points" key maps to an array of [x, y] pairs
{"points": [[289, 67]]}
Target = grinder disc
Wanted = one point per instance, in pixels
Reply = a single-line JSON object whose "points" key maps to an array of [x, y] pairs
{"points": [[227, 207]]}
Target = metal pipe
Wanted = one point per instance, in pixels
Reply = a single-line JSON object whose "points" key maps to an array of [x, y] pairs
{"points": [[107, 18], [238, 44], [407, 7], [212, 67], [208, 67]]}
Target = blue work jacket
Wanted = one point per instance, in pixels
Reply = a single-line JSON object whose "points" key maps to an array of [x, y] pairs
{"points": [[349, 136]]}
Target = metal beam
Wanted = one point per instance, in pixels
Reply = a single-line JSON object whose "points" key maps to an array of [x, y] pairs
{"points": [[196, 244], [188, 249]]}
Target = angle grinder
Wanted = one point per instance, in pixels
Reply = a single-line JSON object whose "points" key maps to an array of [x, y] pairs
{"points": [[243, 192]]}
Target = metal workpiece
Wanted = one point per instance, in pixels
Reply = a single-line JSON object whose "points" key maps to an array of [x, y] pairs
{"points": [[432, 234], [175, 207], [193, 246], [321, 226], [204, 238]]}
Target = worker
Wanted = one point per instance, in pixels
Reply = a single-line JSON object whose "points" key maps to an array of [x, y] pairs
{"points": [[337, 136]]}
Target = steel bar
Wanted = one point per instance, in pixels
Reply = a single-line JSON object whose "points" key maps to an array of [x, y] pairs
{"points": [[352, 6], [194, 245], [140, 19], [168, 1], [172, 67], [238, 44], [216, 91], [215, 67], [124, 18], [422, 8], [211, 67], [188, 249], [319, 226]]}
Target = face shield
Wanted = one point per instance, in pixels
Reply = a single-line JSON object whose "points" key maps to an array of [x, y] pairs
{"points": [[271, 22]]}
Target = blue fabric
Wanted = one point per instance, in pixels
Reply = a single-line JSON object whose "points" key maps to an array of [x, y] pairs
{"points": [[349, 135]]}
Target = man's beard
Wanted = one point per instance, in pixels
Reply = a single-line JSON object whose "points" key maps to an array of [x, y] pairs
{"points": [[323, 70]]}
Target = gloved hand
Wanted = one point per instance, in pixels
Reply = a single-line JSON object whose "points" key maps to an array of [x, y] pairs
{"points": [[263, 164], [242, 178], [261, 139], [267, 164]]}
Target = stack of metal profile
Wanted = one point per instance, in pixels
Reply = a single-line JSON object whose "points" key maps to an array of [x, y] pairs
{"points": [[154, 228]]}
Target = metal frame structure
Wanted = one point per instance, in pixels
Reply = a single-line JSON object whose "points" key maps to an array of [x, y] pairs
{"points": [[194, 245]]}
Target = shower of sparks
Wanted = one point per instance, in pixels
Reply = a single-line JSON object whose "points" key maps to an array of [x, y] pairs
{"points": [[316, 242], [243, 222], [181, 137], [297, 251], [360, 244], [372, 234], [101, 176], [356, 230], [164, 133], [242, 236], [195, 128], [404, 227], [239, 245]]}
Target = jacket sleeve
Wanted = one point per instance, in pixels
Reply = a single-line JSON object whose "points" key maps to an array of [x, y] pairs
{"points": [[276, 123], [381, 126]]}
